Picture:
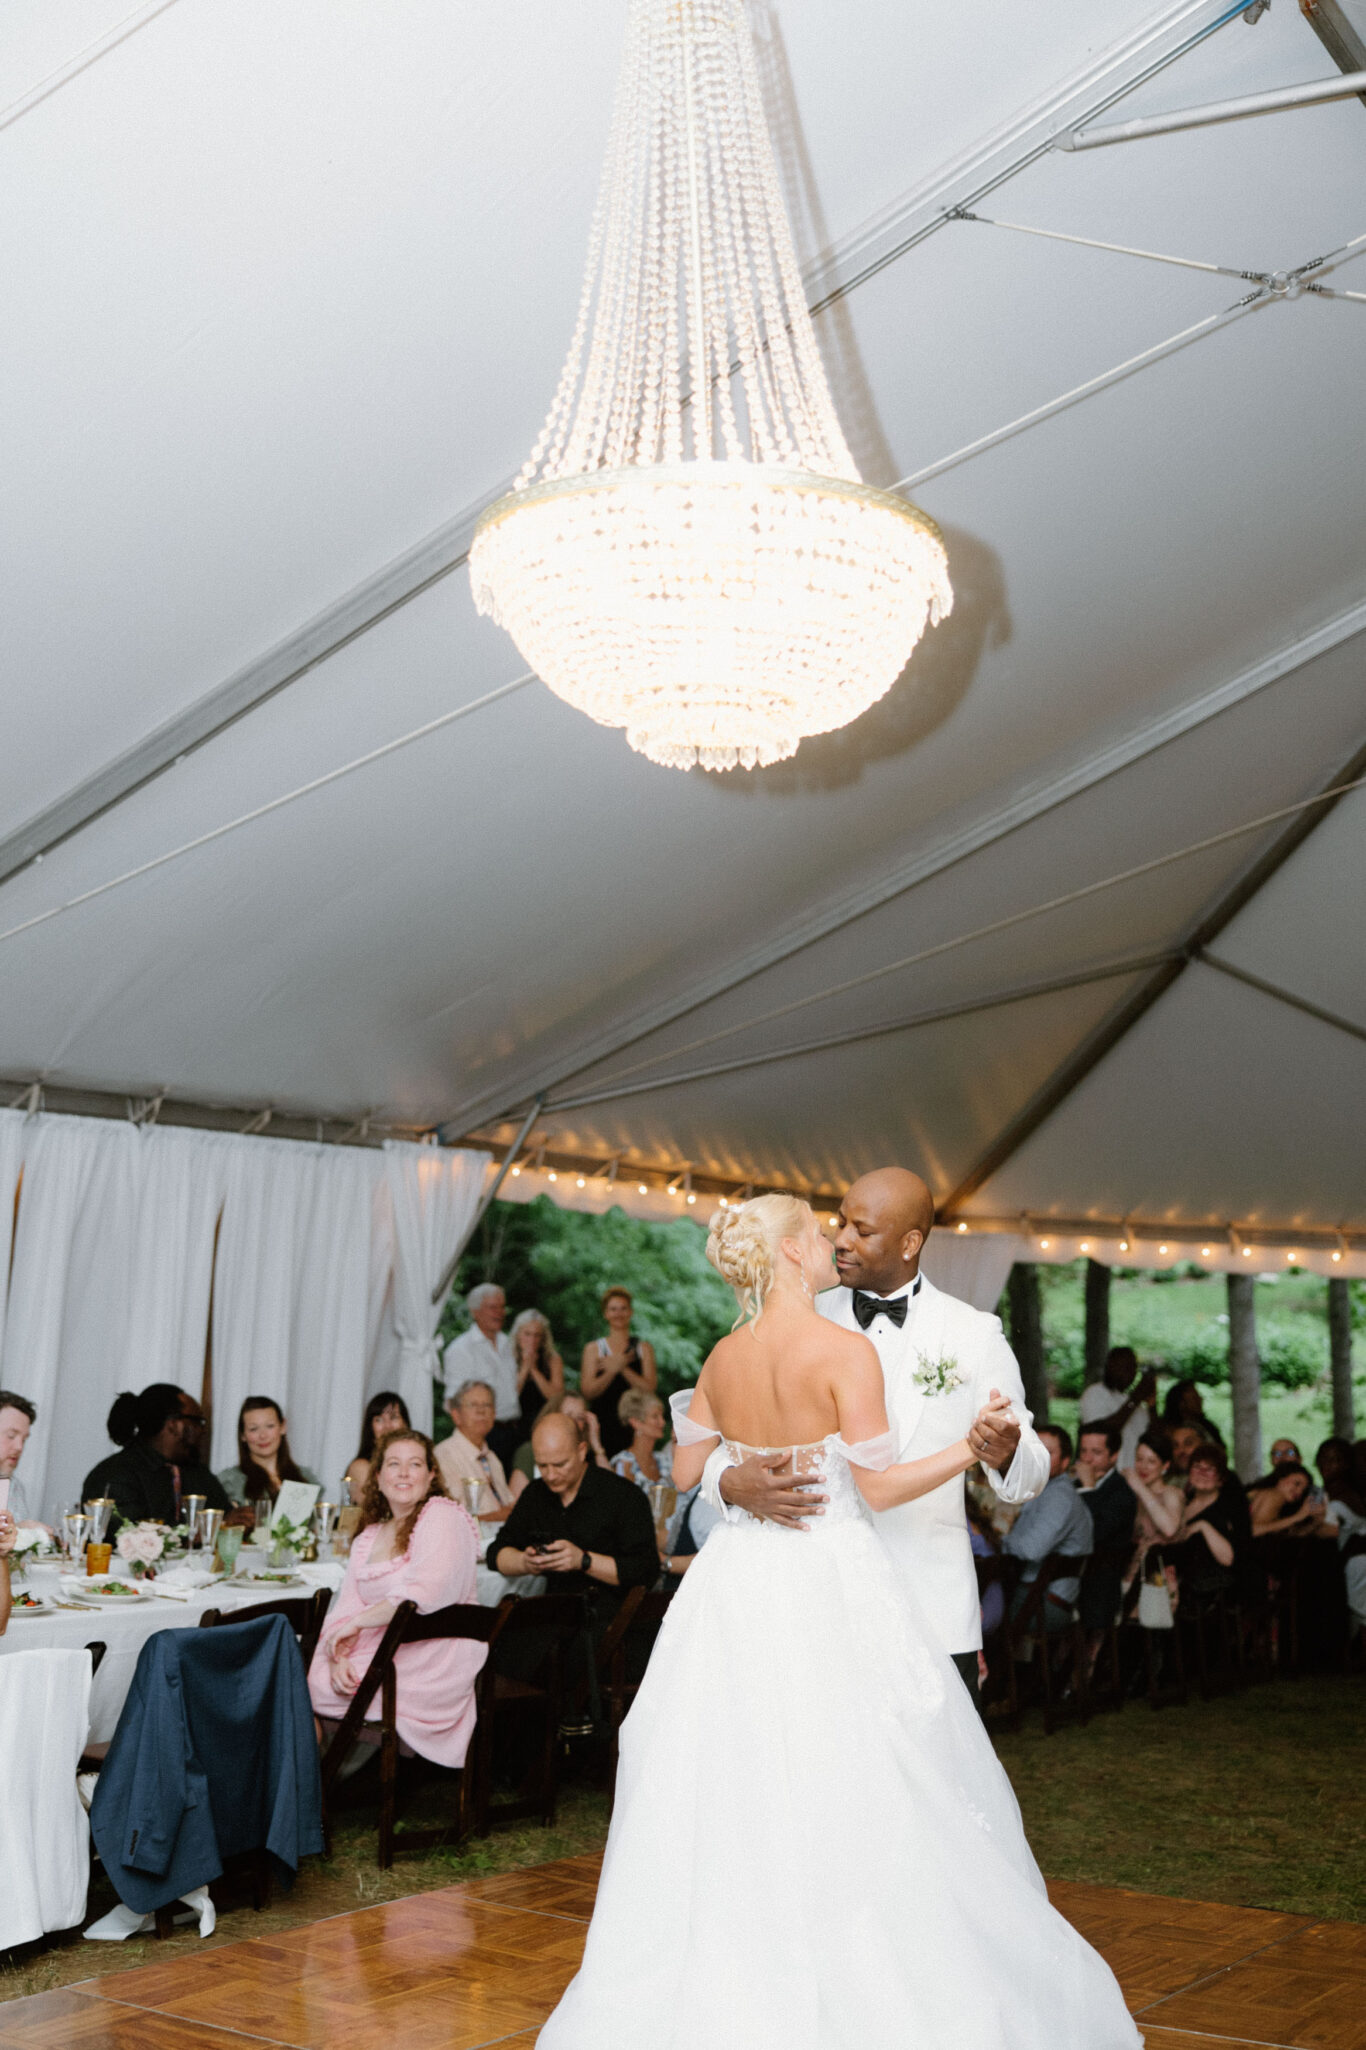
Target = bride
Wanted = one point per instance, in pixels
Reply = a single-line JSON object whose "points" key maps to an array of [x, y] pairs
{"points": [[814, 1846]]}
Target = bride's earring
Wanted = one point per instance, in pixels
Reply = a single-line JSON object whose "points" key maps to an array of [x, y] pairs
{"points": [[806, 1285]]}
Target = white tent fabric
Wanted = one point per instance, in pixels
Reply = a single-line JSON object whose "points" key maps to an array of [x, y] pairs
{"points": [[974, 1268], [298, 286], [11, 1162], [433, 1196], [127, 1234]]}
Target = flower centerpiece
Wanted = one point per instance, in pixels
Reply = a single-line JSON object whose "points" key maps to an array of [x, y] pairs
{"points": [[140, 1545], [287, 1540]]}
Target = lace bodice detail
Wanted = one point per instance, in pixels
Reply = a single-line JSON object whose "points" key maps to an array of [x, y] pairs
{"points": [[827, 1461]]}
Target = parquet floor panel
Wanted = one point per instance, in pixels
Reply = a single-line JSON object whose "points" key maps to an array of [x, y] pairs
{"points": [[480, 1966]]}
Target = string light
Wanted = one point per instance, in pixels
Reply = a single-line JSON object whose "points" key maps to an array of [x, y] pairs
{"points": [[1293, 1258], [962, 1227], [1124, 1245], [1163, 1249], [1045, 1244], [1336, 1255], [641, 1189], [1247, 1252], [580, 1183], [1206, 1252], [552, 1176], [516, 1171], [1085, 1246]]}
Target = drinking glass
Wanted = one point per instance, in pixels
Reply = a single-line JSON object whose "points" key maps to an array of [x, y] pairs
{"points": [[229, 1544], [325, 1516], [210, 1523], [190, 1508], [473, 1493], [99, 1509], [76, 1529]]}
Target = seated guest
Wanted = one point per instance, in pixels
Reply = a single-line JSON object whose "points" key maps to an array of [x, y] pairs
{"points": [[1122, 1397], [414, 1545], [1284, 1449], [159, 1464], [467, 1456], [263, 1455], [642, 1411], [1160, 1503], [591, 1531], [1281, 1504], [1186, 1405], [384, 1413], [540, 1370], [1207, 1544], [17, 1418], [1185, 1441], [570, 1404], [1336, 1466], [1111, 1506], [1055, 1521]]}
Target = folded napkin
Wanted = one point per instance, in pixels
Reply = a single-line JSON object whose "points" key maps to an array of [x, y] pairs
{"points": [[182, 1579]]}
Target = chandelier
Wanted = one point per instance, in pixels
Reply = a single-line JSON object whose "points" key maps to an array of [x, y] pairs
{"points": [[689, 551]]}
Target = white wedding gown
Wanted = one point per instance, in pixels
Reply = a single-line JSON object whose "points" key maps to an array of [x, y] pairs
{"points": [[814, 1846]]}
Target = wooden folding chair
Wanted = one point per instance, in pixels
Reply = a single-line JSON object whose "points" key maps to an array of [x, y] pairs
{"points": [[640, 1611], [305, 1615], [1104, 1680], [1068, 1702], [1001, 1695]]}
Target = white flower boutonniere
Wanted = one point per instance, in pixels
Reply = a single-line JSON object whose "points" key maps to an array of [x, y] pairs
{"points": [[939, 1376]]}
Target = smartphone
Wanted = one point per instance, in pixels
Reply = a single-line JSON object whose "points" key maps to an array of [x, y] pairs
{"points": [[538, 1541]]}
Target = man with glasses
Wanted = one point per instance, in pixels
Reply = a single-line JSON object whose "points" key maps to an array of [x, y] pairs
{"points": [[160, 1463]]}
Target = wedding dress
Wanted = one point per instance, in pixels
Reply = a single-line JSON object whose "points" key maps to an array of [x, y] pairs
{"points": [[814, 1846]]}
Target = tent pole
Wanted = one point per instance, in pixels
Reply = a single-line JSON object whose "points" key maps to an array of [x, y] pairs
{"points": [[1245, 1376], [1340, 1351], [448, 1274]]}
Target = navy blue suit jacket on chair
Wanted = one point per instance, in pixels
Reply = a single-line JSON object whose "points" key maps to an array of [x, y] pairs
{"points": [[214, 1753]]}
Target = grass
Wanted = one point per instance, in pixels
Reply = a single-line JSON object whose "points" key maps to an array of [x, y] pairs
{"points": [[1258, 1800]]}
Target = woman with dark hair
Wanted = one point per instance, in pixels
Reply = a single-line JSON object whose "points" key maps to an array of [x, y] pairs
{"points": [[1282, 1503], [384, 1412], [613, 1364], [1207, 1544], [414, 1545], [1186, 1405], [159, 1464], [264, 1459]]}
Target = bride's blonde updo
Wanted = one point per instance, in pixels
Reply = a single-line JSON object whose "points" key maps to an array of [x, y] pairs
{"points": [[742, 1245]]}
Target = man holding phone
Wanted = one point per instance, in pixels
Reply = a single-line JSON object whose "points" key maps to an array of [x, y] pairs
{"points": [[585, 1526]]}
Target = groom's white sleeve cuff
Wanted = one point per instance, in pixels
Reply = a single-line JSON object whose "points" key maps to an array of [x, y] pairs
{"points": [[710, 1486]]}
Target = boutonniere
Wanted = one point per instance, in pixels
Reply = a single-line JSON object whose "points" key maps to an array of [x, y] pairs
{"points": [[937, 1376]]}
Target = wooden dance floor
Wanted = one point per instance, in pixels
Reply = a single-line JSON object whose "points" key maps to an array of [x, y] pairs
{"points": [[483, 1964]]}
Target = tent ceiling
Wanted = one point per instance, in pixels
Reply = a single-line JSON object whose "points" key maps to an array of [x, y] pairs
{"points": [[293, 297]]}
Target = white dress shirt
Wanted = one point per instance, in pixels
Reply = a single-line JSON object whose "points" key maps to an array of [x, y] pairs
{"points": [[472, 1357]]}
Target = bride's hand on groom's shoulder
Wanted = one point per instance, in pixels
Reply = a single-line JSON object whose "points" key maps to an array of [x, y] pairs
{"points": [[765, 1486]]}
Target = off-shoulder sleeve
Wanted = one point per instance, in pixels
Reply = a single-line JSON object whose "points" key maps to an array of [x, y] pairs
{"points": [[877, 1454], [685, 1430]]}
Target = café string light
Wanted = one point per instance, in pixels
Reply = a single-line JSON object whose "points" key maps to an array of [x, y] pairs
{"points": [[689, 552]]}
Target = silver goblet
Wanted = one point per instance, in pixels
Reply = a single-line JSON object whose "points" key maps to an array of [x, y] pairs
{"points": [[76, 1532], [209, 1525]]}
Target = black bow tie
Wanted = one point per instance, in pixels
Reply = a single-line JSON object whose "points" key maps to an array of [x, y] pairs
{"points": [[866, 1307]]}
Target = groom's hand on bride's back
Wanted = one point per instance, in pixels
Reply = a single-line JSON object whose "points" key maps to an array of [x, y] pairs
{"points": [[765, 1485]]}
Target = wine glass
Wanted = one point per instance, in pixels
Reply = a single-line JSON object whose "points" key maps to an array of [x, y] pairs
{"points": [[76, 1532]]}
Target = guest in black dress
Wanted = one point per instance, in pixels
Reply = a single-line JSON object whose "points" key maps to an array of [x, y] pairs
{"points": [[540, 1370], [613, 1364]]}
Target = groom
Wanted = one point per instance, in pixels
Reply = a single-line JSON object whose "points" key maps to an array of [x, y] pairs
{"points": [[942, 1362]]}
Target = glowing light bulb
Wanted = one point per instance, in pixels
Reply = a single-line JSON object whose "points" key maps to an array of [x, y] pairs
{"points": [[1205, 1253], [1337, 1256], [692, 1197], [1045, 1243], [1085, 1246], [962, 1227], [1124, 1245], [1292, 1258], [1247, 1252], [641, 1189], [1163, 1249], [580, 1182], [552, 1176], [516, 1170]]}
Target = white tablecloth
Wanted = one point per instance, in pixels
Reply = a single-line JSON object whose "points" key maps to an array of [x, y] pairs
{"points": [[125, 1631]]}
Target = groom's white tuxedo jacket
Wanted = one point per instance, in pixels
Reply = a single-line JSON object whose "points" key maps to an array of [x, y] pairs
{"points": [[928, 1539]]}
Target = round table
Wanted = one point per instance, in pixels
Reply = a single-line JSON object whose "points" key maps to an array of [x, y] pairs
{"points": [[123, 1632]]}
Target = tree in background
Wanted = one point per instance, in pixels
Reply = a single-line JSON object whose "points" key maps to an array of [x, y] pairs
{"points": [[560, 1261]]}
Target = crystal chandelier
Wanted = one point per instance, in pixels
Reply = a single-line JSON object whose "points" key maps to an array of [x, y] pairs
{"points": [[689, 551]]}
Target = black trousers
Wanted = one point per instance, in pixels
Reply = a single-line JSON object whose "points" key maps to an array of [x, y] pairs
{"points": [[966, 1662]]}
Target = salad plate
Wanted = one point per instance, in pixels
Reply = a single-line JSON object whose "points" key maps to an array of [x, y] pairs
{"points": [[26, 1604], [107, 1591]]}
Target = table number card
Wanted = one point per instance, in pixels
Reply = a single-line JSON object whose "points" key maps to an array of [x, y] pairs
{"points": [[294, 1502]]}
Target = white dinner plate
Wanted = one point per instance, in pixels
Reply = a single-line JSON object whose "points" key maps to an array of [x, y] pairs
{"points": [[267, 1579], [17, 1611], [94, 1596]]}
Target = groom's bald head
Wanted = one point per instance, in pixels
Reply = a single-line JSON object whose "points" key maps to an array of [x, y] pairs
{"points": [[885, 1219]]}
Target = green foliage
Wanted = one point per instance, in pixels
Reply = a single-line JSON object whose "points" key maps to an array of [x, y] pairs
{"points": [[560, 1261]]}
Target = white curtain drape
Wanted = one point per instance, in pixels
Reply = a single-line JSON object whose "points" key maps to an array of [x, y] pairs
{"points": [[11, 1160], [113, 1255], [974, 1266], [433, 1197], [291, 1295]]}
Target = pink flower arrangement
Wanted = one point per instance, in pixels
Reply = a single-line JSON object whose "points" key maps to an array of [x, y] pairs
{"points": [[140, 1544]]}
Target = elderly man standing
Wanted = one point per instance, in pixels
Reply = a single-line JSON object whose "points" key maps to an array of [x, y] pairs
{"points": [[484, 1353]]}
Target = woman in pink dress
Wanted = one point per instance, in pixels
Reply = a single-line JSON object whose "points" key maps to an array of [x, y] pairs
{"points": [[414, 1544]]}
